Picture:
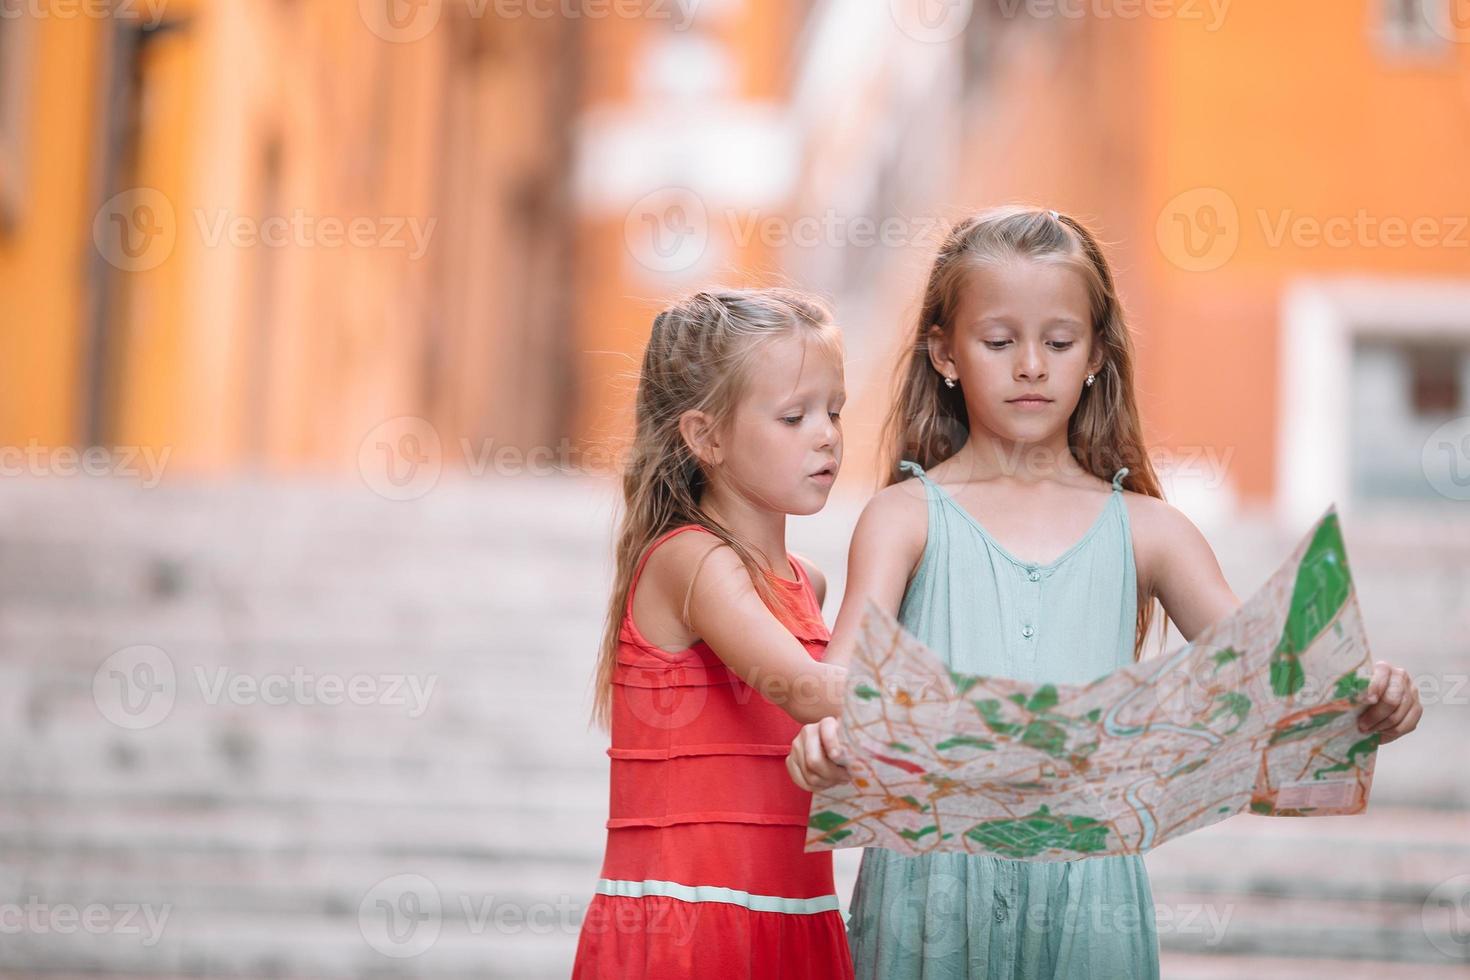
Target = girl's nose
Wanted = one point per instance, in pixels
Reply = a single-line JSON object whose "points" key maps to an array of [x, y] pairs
{"points": [[1030, 365]]}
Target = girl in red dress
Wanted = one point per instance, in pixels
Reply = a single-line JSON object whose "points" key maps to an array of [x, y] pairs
{"points": [[712, 659]]}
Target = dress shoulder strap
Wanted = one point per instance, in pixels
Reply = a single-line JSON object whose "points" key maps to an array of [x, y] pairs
{"points": [[1118, 479], [647, 553], [911, 467]]}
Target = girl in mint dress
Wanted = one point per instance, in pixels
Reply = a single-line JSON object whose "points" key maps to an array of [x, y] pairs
{"points": [[973, 915], [1020, 304], [1015, 421]]}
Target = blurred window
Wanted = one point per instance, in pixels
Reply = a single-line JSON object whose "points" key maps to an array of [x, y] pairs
{"points": [[1415, 24], [1402, 391]]}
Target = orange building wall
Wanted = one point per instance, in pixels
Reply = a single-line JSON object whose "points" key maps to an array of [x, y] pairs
{"points": [[43, 259], [232, 356], [1289, 108]]}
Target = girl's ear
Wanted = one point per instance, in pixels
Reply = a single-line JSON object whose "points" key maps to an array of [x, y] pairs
{"points": [[1097, 356], [699, 434], [939, 352]]}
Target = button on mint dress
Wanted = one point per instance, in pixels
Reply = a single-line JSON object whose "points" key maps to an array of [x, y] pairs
{"points": [[950, 915]]}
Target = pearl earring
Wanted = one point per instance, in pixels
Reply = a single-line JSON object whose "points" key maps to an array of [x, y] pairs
{"points": [[1090, 379], [948, 382]]}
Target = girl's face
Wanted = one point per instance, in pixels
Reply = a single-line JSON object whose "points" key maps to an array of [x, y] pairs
{"points": [[782, 446], [1020, 348]]}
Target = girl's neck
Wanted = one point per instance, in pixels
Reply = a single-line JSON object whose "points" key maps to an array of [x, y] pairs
{"points": [[987, 456], [761, 528]]}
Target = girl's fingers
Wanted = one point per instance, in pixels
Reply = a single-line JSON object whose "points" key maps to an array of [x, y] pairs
{"points": [[800, 762], [1389, 723], [1394, 681], [1394, 723], [1397, 681], [831, 734], [1381, 670], [796, 764], [793, 768], [1410, 722], [817, 765]]}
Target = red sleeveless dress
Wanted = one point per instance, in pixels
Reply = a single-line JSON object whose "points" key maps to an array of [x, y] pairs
{"points": [[704, 874]]}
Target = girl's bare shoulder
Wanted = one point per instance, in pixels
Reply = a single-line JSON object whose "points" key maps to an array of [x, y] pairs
{"points": [[1161, 532], [895, 521], [1156, 518], [672, 565], [905, 502], [668, 573]]}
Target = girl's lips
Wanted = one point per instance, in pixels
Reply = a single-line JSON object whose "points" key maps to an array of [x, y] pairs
{"points": [[825, 476], [1030, 402]]}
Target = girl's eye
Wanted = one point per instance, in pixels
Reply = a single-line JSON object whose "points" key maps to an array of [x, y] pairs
{"points": [[792, 419], [1056, 345]]}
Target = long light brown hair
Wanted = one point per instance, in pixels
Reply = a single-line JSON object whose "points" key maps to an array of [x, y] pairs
{"points": [[698, 357], [928, 422]]}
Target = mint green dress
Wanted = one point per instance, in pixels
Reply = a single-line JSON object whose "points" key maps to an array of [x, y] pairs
{"points": [[951, 915]]}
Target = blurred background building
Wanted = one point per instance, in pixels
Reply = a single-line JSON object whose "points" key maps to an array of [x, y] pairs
{"points": [[319, 321]]}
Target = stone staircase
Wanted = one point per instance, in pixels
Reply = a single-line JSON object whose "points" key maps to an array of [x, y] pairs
{"points": [[458, 833]]}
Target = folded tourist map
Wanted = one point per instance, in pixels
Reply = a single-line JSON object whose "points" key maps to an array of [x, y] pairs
{"points": [[1257, 715]]}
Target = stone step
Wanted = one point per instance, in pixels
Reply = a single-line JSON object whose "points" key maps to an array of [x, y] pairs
{"points": [[284, 945], [1385, 853], [1253, 924], [325, 883], [1184, 965], [562, 823]]}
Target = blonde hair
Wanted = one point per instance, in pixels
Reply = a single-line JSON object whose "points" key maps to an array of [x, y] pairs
{"points": [[928, 422], [698, 357]]}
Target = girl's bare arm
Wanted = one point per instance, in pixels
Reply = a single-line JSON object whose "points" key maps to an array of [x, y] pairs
{"points": [[727, 613], [885, 550], [1179, 566]]}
